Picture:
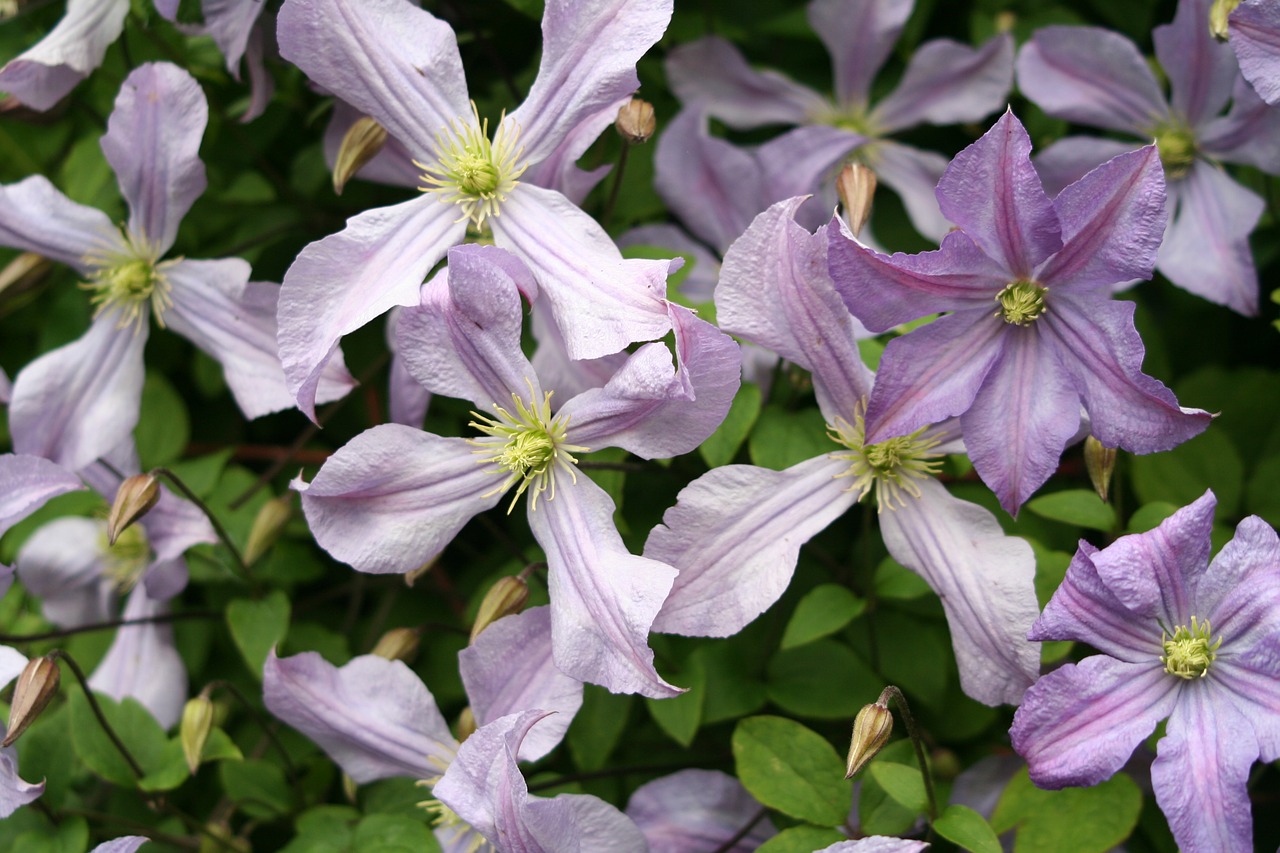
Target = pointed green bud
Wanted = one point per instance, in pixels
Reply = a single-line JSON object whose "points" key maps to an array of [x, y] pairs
{"points": [[134, 499], [399, 644], [362, 142], [36, 686], [267, 527], [1100, 461], [871, 730], [636, 121], [194, 730], [504, 598], [856, 186]]}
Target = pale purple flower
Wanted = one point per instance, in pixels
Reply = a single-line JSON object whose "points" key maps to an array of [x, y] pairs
{"points": [[736, 531], [235, 28], [14, 791], [143, 663], [80, 401], [1183, 638], [26, 484], [698, 811], [1032, 332], [1255, 36], [1097, 77], [43, 75], [123, 844], [945, 82], [876, 844], [400, 65]]}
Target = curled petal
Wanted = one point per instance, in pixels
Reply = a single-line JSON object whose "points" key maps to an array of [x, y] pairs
{"points": [[700, 281], [14, 791], [45, 74], [711, 70]]}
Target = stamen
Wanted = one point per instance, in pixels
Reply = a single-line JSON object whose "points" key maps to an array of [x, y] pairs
{"points": [[891, 466], [1021, 302], [1190, 651], [129, 280], [472, 172], [125, 562]]}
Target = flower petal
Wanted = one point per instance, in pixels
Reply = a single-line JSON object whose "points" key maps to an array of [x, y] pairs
{"points": [[372, 716], [393, 164], [859, 35], [948, 83], [914, 174], [1069, 160], [711, 70], [393, 497], [876, 844], [554, 367], [407, 400], [124, 844], [699, 281], [14, 792], [43, 75], [804, 160], [1200, 68], [697, 810], [63, 563], [1248, 134], [1255, 37], [557, 171], [36, 217], [29, 482], [143, 664]]}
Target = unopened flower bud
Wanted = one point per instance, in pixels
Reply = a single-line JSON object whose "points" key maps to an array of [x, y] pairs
{"points": [[194, 730], [135, 497], [636, 121], [1218, 15], [871, 730], [857, 187], [466, 724], [267, 527], [504, 598], [363, 141], [35, 687], [24, 272], [1101, 463], [399, 644]]}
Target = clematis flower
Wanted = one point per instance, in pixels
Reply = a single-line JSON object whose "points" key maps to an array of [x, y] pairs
{"points": [[944, 83], [735, 532], [400, 65], [79, 402], [394, 497], [45, 74], [1183, 638], [876, 844], [697, 811], [14, 791], [235, 27], [1032, 332], [26, 484], [1255, 36], [1097, 77]]}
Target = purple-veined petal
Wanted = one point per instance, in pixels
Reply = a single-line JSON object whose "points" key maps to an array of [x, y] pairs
{"points": [[123, 844], [43, 75], [407, 400], [798, 161], [557, 171], [603, 598], [36, 217], [556, 370], [508, 669], [143, 663], [14, 791], [774, 291], [654, 411], [699, 281], [372, 716], [993, 193], [1200, 68], [1201, 771], [876, 844], [387, 58], [693, 811], [1248, 134], [1079, 724], [343, 281], [81, 400], [1255, 37], [392, 165], [859, 35], [1255, 691], [1206, 248], [913, 174], [948, 83], [589, 55], [1069, 160], [734, 536], [600, 301], [712, 72], [1091, 76], [153, 144], [29, 482], [1237, 588], [1113, 220], [984, 579], [63, 563], [463, 339], [393, 497], [1101, 350]]}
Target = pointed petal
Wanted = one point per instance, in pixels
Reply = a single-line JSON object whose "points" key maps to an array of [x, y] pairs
{"points": [[1248, 134], [345, 280], [1091, 76], [1069, 160], [1239, 592], [393, 497], [63, 563], [372, 716], [80, 401], [1200, 68], [29, 482], [600, 301], [36, 217], [734, 536], [1079, 724], [229, 23], [14, 792], [43, 75], [948, 83], [589, 55], [508, 669], [603, 599], [143, 663], [914, 174], [711, 70], [1255, 37], [692, 810], [153, 144], [859, 35], [387, 58]]}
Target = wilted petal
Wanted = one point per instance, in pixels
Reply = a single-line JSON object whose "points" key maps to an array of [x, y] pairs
{"points": [[1200, 68], [508, 669], [14, 792], [1248, 134], [984, 579], [36, 217], [711, 70], [603, 598], [44, 74], [913, 174], [63, 563], [143, 663], [734, 536], [1255, 36], [1068, 160], [693, 811], [859, 35], [29, 482], [153, 144], [948, 83], [393, 497], [81, 400], [373, 716]]}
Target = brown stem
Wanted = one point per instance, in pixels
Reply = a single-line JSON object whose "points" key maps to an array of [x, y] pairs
{"points": [[112, 623]]}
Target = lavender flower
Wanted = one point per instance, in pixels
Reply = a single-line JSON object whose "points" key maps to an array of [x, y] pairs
{"points": [[236, 28], [1255, 37], [1097, 77], [15, 792], [1181, 638], [1032, 332], [46, 73], [697, 811]]}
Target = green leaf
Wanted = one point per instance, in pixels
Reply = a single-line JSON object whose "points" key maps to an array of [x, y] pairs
{"points": [[171, 773], [597, 726], [968, 829], [781, 439], [902, 783], [1080, 507], [1181, 475], [132, 723], [792, 769], [220, 747], [823, 679], [201, 473], [71, 835], [1073, 820], [723, 444], [1148, 516], [258, 787], [163, 427], [256, 626], [878, 813], [895, 581], [802, 839], [681, 715], [824, 610], [394, 834]]}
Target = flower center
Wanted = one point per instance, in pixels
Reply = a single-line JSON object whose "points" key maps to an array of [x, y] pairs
{"points": [[470, 170], [129, 281], [459, 834], [527, 444], [891, 466], [1177, 148], [1188, 653], [125, 562], [1021, 302]]}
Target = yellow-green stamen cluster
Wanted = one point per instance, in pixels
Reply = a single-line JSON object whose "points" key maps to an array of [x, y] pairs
{"points": [[473, 172], [890, 467], [527, 444], [1188, 653], [125, 562], [129, 280], [1021, 302], [1177, 147]]}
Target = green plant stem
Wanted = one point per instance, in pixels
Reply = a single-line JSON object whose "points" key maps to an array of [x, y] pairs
{"points": [[61, 654], [741, 833], [913, 732], [242, 568], [617, 185], [290, 770], [111, 623]]}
